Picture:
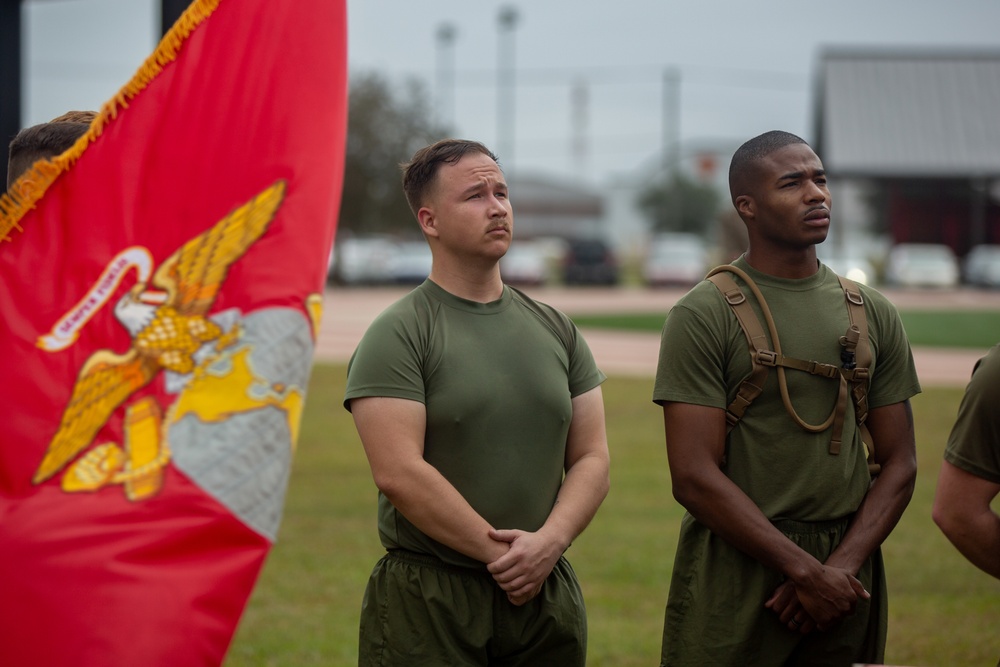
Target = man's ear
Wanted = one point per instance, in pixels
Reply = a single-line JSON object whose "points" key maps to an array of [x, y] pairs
{"points": [[427, 221], [746, 207]]}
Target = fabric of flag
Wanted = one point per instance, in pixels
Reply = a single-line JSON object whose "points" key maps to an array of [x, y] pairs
{"points": [[160, 293]]}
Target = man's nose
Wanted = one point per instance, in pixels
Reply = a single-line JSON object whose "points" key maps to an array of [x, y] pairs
{"points": [[816, 192], [497, 207]]}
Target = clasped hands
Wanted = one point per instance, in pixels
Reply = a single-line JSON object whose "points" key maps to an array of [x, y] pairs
{"points": [[522, 570], [820, 605]]}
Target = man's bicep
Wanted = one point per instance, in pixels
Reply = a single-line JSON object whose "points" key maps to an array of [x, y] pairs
{"points": [[891, 428], [695, 434], [391, 429], [587, 432], [960, 492]]}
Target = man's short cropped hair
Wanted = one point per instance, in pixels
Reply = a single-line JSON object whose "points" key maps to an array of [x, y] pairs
{"points": [[76, 117], [419, 172], [743, 168], [44, 141]]}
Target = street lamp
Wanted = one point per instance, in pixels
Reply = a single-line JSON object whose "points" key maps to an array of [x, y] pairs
{"points": [[506, 22]]}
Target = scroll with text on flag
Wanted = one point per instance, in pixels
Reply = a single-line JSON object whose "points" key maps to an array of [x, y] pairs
{"points": [[160, 290]]}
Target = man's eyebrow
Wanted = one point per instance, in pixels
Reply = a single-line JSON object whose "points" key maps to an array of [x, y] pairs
{"points": [[473, 188], [795, 175], [483, 184]]}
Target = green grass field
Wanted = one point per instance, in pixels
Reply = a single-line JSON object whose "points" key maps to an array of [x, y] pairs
{"points": [[304, 610], [960, 328]]}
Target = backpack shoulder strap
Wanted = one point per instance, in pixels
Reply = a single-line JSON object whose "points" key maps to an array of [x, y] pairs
{"points": [[760, 351], [856, 359]]}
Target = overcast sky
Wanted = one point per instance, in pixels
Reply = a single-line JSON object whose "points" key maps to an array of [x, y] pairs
{"points": [[744, 66]]}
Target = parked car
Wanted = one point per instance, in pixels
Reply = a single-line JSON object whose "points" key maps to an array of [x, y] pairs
{"points": [[589, 262], [982, 266], [921, 265], [410, 262], [526, 263], [675, 259], [361, 260]]}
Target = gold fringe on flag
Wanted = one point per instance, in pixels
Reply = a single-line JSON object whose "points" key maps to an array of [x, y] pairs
{"points": [[14, 204]]}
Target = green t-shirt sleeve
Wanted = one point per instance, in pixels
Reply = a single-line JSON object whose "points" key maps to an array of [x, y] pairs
{"points": [[894, 378], [691, 363], [387, 362], [974, 443], [584, 374]]}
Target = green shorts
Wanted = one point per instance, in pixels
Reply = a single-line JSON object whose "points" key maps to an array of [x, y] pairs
{"points": [[418, 611], [715, 609]]}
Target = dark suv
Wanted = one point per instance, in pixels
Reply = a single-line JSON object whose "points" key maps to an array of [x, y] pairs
{"points": [[589, 262]]}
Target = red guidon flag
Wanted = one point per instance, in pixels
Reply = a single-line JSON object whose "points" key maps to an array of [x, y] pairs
{"points": [[160, 293]]}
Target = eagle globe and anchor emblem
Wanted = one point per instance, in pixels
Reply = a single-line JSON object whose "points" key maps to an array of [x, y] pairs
{"points": [[208, 361]]}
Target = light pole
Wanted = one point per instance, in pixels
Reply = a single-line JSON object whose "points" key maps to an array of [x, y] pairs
{"points": [[446, 76], [506, 22]]}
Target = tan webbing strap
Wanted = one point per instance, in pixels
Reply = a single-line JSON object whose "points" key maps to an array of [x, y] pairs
{"points": [[856, 357], [859, 375], [838, 417], [760, 352]]}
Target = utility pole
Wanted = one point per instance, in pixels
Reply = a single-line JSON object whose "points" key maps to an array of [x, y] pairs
{"points": [[671, 120], [579, 105], [672, 139], [506, 23], [445, 75]]}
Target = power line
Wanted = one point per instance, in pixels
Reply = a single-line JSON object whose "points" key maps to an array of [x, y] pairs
{"points": [[632, 75]]}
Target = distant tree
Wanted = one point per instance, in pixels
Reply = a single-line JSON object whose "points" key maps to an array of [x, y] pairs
{"points": [[680, 205], [730, 236], [385, 126]]}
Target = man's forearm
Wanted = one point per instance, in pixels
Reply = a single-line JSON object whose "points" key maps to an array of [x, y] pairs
{"points": [[891, 428], [583, 490], [877, 515], [437, 509]]}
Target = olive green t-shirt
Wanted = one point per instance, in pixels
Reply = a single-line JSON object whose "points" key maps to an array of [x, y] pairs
{"points": [[787, 471], [974, 443], [497, 380]]}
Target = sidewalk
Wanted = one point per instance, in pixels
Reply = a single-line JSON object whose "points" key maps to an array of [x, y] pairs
{"points": [[347, 312]]}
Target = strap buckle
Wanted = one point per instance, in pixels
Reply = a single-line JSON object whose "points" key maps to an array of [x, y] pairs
{"points": [[854, 297], [735, 297], [767, 357], [826, 370]]}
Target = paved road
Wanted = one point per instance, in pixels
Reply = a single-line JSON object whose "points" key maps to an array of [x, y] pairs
{"points": [[347, 313]]}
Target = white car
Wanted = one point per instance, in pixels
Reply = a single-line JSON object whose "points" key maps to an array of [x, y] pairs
{"points": [[675, 259], [361, 260], [921, 265], [982, 266], [410, 262], [526, 263]]}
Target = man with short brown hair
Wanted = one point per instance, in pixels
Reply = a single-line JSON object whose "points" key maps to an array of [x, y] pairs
{"points": [[481, 413], [45, 141]]}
